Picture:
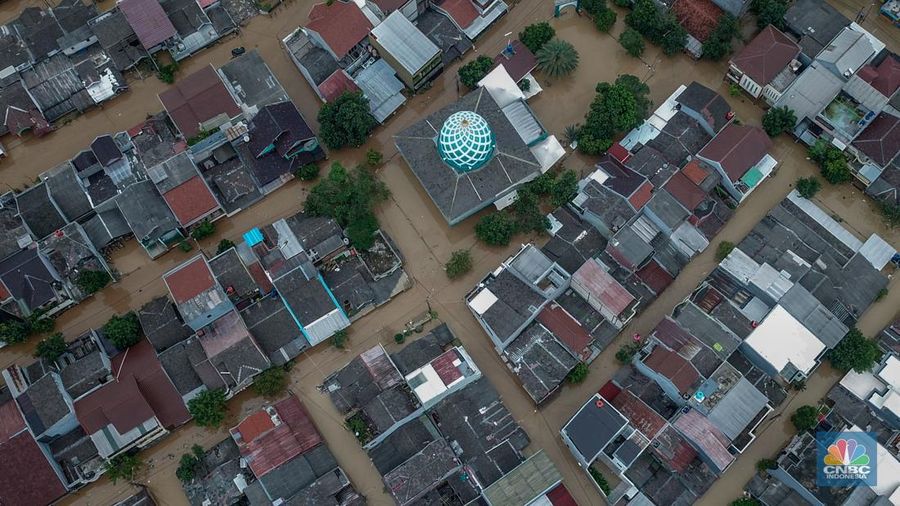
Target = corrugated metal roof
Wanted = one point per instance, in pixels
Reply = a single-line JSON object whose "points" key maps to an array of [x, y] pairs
{"points": [[706, 437], [877, 251], [803, 306], [827, 222], [738, 408], [406, 44], [601, 286], [524, 483], [379, 84], [526, 125], [531, 263]]}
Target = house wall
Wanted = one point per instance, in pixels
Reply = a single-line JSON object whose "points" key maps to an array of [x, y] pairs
{"points": [[726, 179], [665, 383], [771, 95], [757, 360], [751, 86]]}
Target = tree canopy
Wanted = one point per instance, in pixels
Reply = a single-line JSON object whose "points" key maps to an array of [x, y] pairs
{"points": [[346, 121], [831, 162], [855, 352], [459, 264], [270, 382], [807, 187], [349, 197], [616, 108], [92, 281], [124, 331], [534, 36], [51, 348], [495, 229], [778, 120], [660, 27], [208, 408], [632, 41], [557, 58], [805, 418], [123, 467], [475, 70], [718, 44], [769, 12]]}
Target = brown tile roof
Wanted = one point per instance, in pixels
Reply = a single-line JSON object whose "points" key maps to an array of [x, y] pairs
{"points": [[26, 476], [885, 77], [698, 17], [148, 20], [190, 201], [737, 148], [196, 99], [695, 172], [517, 64], [336, 84], [641, 416], [880, 141], [341, 25], [655, 277], [462, 11], [566, 329], [189, 280], [766, 55], [641, 196], [389, 6], [685, 191], [118, 403], [673, 366]]}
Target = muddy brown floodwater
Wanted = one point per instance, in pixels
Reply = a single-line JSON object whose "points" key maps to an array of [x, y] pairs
{"points": [[426, 243]]}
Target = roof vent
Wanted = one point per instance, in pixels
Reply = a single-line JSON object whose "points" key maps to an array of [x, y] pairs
{"points": [[600, 403]]}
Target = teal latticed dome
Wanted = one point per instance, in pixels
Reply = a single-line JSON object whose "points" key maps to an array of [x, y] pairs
{"points": [[466, 141]]}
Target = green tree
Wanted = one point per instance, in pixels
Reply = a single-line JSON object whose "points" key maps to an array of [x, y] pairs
{"points": [[632, 41], [769, 12], [527, 212], [605, 20], [475, 70], [564, 188], [659, 27], [557, 58], [525, 85], [616, 108], [270, 382], [123, 331], [13, 332], [831, 162], [778, 120], [350, 198], [51, 348], [578, 373], [855, 352], [38, 324], [763, 465], [890, 212], [90, 281], [189, 464], [346, 121], [459, 264], [208, 408], [307, 172], [594, 7], [495, 229], [339, 339], [123, 467], [805, 418], [622, 3], [600, 480], [203, 230], [718, 44], [224, 245], [534, 36], [373, 158], [745, 501], [723, 250], [807, 187]]}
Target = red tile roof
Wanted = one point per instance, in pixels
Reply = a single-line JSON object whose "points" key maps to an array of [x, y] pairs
{"points": [[609, 391], [619, 152], [885, 78], [141, 363], [685, 191], [118, 403], [601, 285], [189, 280], [698, 17], [559, 322], [641, 416], [672, 335], [190, 201], [706, 436], [673, 366], [766, 55], [259, 276], [518, 63], [695, 172], [389, 6], [255, 425], [336, 84], [341, 25], [26, 476], [737, 148], [444, 367], [654, 276], [641, 196], [560, 496], [266, 450], [880, 141], [148, 20], [462, 11], [198, 98], [4, 293]]}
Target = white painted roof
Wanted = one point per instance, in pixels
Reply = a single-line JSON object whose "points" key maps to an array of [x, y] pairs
{"points": [[890, 373], [483, 301], [501, 87], [781, 339], [877, 251], [548, 152], [861, 384]]}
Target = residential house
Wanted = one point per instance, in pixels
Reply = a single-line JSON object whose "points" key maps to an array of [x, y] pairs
{"points": [[184, 190], [409, 8], [196, 293], [118, 39], [531, 482], [31, 284], [469, 151], [64, 187], [199, 103], [28, 476], [604, 293], [767, 65], [808, 95], [39, 31], [70, 252], [414, 57], [161, 324], [14, 58], [699, 18], [280, 143], [873, 392], [21, 113], [878, 145], [252, 83], [814, 25], [280, 441], [378, 83], [472, 17], [740, 155], [709, 109], [341, 29], [150, 218], [220, 477], [194, 29], [147, 18], [137, 407], [519, 63]]}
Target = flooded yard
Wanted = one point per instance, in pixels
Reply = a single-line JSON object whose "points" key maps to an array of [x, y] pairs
{"points": [[426, 242]]}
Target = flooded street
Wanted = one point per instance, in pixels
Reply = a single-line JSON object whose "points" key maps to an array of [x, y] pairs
{"points": [[426, 242]]}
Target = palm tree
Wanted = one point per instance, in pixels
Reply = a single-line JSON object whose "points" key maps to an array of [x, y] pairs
{"points": [[557, 58]]}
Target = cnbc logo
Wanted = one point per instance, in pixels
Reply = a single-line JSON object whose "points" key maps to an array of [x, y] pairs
{"points": [[846, 459]]}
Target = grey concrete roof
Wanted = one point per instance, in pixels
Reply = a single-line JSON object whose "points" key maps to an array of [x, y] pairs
{"points": [[515, 300], [173, 172], [28, 278], [317, 62], [66, 190], [43, 403], [629, 245], [810, 92], [418, 353], [161, 323], [594, 426], [574, 243], [177, 363], [251, 80], [307, 298], [707, 103], [39, 212], [803, 306], [540, 361], [39, 30], [408, 46], [231, 181], [229, 271], [273, 327], [611, 208], [706, 329], [320, 234], [115, 35], [422, 472], [85, 373], [446, 35], [525, 483], [847, 53], [680, 138], [146, 211], [12, 229], [456, 195], [56, 87], [650, 162], [667, 208], [738, 408], [815, 22]]}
